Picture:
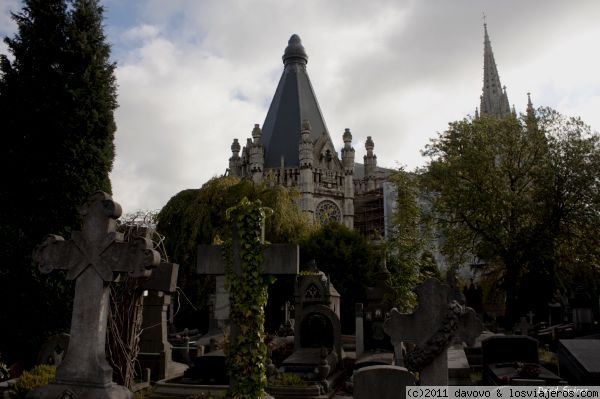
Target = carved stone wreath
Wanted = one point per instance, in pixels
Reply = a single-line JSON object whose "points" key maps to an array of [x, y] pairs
{"points": [[327, 211], [419, 357]]}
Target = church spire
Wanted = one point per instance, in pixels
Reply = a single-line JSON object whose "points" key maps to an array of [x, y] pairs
{"points": [[294, 101], [494, 100]]}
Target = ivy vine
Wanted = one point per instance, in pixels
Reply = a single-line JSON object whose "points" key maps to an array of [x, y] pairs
{"points": [[246, 352]]}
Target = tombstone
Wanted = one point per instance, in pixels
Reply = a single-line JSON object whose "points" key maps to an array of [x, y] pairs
{"points": [[530, 316], [431, 328], [54, 349], [376, 309], [155, 349], [582, 309], [359, 329], [382, 382], [509, 360], [279, 259], [93, 257], [523, 327], [209, 369], [579, 361], [317, 329]]}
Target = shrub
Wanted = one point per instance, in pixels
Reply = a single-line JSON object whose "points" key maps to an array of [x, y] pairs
{"points": [[42, 374]]}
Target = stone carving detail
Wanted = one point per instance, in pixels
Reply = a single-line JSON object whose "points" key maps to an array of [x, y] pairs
{"points": [[421, 356], [312, 292], [327, 211]]}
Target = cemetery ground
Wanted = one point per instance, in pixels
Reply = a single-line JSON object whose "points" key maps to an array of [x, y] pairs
{"points": [[449, 338]]}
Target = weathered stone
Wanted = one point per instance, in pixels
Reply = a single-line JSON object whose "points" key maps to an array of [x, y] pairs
{"points": [[279, 259], [382, 382], [155, 349], [432, 327], [512, 359], [93, 257], [317, 329], [54, 349], [580, 361]]}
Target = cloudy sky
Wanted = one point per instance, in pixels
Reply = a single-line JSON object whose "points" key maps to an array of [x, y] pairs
{"points": [[193, 75]]}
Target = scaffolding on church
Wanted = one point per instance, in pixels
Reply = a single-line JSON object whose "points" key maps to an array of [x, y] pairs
{"points": [[369, 214]]}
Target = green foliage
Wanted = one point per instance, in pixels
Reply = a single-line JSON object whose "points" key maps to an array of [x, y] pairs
{"points": [[349, 260], [198, 216], [287, 379], [40, 375], [246, 352], [521, 194], [410, 258], [57, 95], [4, 372]]}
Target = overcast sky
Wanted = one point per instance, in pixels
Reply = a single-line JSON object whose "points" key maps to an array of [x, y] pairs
{"points": [[193, 75]]}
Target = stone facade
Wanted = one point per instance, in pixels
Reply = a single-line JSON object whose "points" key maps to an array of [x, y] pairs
{"points": [[294, 149]]}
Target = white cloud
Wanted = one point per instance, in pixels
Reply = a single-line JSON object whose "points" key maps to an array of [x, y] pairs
{"points": [[194, 75]]}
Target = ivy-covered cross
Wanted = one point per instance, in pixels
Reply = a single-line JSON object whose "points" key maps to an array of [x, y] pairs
{"points": [[247, 264]]}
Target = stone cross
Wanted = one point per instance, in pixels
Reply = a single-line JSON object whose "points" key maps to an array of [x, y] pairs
{"points": [[279, 259], [430, 321], [523, 327], [155, 349], [93, 257], [530, 315]]}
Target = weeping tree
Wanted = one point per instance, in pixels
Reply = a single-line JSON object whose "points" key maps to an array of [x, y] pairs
{"points": [[198, 216]]}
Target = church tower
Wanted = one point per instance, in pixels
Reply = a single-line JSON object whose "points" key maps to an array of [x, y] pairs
{"points": [[494, 100], [294, 147]]}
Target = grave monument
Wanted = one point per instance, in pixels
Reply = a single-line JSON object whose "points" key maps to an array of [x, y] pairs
{"points": [[431, 329], [93, 257]]}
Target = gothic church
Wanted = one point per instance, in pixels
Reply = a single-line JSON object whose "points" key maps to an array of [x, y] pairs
{"points": [[294, 149]]}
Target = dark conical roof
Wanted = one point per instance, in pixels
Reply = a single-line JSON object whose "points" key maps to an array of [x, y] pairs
{"points": [[294, 101]]}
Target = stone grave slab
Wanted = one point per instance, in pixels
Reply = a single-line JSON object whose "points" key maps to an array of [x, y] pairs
{"points": [[459, 370], [502, 356], [579, 360], [209, 369], [374, 359], [382, 382]]}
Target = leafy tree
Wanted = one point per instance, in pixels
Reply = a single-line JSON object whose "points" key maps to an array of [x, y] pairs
{"points": [[349, 260], [57, 95], [517, 193], [198, 216], [410, 258]]}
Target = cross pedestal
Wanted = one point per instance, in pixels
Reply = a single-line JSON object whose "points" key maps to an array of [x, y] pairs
{"points": [[93, 257], [432, 326]]}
